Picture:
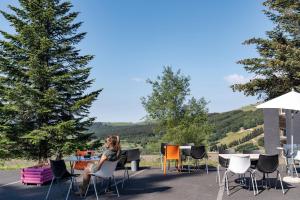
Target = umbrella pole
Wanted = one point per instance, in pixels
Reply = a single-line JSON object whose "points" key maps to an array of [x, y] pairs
{"points": [[292, 141], [291, 179]]}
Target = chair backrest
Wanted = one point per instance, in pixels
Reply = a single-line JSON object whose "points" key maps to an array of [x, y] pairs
{"points": [[107, 169], [162, 148], [198, 152], [297, 157], [59, 169], [187, 152], [226, 151], [239, 164], [172, 152], [222, 161], [122, 160], [267, 163], [133, 154], [252, 151]]}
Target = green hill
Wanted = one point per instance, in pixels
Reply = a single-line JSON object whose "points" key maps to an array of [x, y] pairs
{"points": [[227, 127], [139, 133], [232, 121]]}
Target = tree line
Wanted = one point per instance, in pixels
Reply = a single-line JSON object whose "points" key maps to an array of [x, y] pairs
{"points": [[253, 134]]}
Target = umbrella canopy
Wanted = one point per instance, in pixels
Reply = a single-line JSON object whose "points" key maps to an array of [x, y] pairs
{"points": [[290, 101]]}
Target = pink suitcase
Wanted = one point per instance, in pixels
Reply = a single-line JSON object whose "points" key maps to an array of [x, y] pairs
{"points": [[36, 175]]}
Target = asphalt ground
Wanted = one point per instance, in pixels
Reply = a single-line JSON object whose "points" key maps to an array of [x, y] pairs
{"points": [[150, 184]]}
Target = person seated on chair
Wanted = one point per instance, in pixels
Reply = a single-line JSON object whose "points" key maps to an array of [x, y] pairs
{"points": [[111, 153]]}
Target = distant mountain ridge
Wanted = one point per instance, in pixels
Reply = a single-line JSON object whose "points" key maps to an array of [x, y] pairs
{"points": [[141, 133]]}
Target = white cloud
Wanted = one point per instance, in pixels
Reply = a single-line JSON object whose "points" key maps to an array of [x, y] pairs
{"points": [[137, 79], [236, 79]]}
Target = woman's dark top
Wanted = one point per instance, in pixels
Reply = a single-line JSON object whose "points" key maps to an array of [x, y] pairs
{"points": [[111, 155]]}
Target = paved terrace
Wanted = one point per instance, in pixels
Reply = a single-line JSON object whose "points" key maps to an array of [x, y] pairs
{"points": [[149, 184]]}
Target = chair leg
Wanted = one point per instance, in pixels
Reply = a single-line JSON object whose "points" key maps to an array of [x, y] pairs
{"points": [[253, 186], [126, 173], [124, 178], [196, 165], [267, 181], [70, 187], [87, 189], [94, 183], [161, 162], [188, 164], [226, 182], [116, 186], [49, 189], [218, 175], [76, 183], [280, 182], [206, 166], [255, 181], [276, 180], [295, 169], [165, 167]]}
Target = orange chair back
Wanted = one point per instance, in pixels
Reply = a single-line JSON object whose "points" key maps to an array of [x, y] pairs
{"points": [[81, 165], [172, 152]]}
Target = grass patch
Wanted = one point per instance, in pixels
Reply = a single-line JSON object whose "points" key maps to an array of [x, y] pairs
{"points": [[16, 164], [233, 136]]}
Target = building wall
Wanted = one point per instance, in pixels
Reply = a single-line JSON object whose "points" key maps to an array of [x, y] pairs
{"points": [[271, 130]]}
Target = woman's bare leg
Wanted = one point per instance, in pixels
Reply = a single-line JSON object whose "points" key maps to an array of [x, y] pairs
{"points": [[86, 177]]}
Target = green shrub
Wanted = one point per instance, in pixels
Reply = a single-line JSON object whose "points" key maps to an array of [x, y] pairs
{"points": [[261, 142], [152, 148], [247, 146]]}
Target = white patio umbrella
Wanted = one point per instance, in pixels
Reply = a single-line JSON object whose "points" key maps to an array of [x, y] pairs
{"points": [[288, 101]]}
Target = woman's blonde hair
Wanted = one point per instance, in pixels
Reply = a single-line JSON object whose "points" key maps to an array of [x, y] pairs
{"points": [[113, 142]]}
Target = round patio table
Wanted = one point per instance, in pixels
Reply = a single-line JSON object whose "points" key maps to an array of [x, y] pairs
{"points": [[252, 156], [74, 159]]}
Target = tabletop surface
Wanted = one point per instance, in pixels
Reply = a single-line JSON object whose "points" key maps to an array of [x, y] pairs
{"points": [[81, 158], [252, 156], [185, 147]]}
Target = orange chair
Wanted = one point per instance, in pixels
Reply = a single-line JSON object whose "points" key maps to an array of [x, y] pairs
{"points": [[172, 152], [81, 165]]}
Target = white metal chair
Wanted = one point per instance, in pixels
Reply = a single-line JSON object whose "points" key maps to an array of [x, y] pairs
{"points": [[290, 159], [106, 171], [223, 163], [238, 165]]}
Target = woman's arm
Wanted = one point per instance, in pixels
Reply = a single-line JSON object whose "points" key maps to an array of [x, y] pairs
{"points": [[101, 161]]}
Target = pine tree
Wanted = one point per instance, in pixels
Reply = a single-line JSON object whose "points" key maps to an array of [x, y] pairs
{"points": [[44, 79], [277, 70]]}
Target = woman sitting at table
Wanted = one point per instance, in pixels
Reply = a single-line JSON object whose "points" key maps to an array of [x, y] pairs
{"points": [[111, 153]]}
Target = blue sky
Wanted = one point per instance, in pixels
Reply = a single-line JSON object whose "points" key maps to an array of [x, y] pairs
{"points": [[133, 39]]}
